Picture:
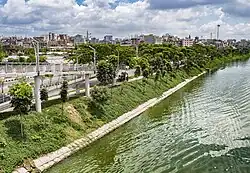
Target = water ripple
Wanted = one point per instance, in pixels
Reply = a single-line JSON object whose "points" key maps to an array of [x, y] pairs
{"points": [[204, 128]]}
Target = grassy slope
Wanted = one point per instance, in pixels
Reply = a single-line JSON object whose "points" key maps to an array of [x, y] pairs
{"points": [[50, 130]]}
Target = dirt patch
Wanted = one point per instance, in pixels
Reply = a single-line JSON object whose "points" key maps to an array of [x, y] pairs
{"points": [[74, 115]]}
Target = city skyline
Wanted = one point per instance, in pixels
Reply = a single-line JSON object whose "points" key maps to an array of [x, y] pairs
{"points": [[123, 18]]}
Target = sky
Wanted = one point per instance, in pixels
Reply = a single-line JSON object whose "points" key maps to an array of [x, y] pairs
{"points": [[126, 18]]}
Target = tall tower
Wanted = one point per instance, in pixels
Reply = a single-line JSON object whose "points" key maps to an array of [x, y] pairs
{"points": [[88, 36], [218, 32], [211, 35]]}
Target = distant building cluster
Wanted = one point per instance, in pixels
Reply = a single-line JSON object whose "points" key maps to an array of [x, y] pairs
{"points": [[64, 41]]}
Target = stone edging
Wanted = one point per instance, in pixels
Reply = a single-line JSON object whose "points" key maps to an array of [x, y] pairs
{"points": [[47, 161]]}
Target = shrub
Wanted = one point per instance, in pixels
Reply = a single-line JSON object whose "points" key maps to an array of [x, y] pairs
{"points": [[137, 71], [145, 73], [100, 95], [21, 96]]}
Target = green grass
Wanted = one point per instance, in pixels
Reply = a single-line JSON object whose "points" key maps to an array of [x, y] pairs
{"points": [[48, 131]]}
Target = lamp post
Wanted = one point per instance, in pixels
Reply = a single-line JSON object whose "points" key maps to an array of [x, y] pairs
{"points": [[137, 50], [6, 66], [94, 57], [36, 48], [117, 68], [118, 64], [77, 61], [37, 78]]}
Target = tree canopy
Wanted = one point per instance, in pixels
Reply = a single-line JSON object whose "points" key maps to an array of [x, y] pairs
{"points": [[155, 56], [21, 96]]}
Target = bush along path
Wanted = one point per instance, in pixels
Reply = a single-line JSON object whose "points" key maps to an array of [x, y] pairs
{"points": [[52, 129]]}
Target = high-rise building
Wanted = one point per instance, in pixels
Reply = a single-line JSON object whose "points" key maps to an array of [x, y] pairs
{"points": [[78, 39], [108, 38], [62, 37], [94, 40], [52, 36], [187, 42], [149, 39]]}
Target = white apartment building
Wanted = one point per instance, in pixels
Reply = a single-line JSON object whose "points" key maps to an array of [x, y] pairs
{"points": [[187, 42]]}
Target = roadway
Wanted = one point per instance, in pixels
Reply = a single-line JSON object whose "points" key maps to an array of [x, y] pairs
{"points": [[54, 91], [81, 83]]}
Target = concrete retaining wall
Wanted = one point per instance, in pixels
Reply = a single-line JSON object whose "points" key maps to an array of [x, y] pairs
{"points": [[53, 158]]}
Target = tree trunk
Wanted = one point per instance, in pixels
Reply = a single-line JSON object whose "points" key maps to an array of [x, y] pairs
{"points": [[2, 86], [62, 108], [21, 125]]}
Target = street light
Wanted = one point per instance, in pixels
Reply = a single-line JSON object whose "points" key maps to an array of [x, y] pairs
{"points": [[37, 78], [137, 50], [77, 61], [94, 58], [117, 68], [36, 48], [118, 64], [6, 65]]}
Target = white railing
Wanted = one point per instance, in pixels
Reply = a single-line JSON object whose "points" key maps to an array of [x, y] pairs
{"points": [[31, 68]]}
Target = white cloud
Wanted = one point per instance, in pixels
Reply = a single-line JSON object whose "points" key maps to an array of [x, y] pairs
{"points": [[99, 3], [51, 3], [118, 18]]}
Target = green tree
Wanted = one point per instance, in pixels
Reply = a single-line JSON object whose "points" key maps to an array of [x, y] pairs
{"points": [[2, 53], [131, 62], [137, 71], [42, 58], [84, 54], [29, 51], [156, 63], [31, 58], [127, 55], [21, 98], [44, 95], [64, 93], [157, 75], [113, 59], [99, 97], [144, 64], [104, 50], [105, 72], [164, 72], [22, 59], [145, 73], [44, 50], [2, 80]]}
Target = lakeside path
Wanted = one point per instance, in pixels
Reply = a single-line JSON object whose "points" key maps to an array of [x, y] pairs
{"points": [[47, 161]]}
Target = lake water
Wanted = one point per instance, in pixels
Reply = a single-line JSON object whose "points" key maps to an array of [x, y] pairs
{"points": [[203, 128]]}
